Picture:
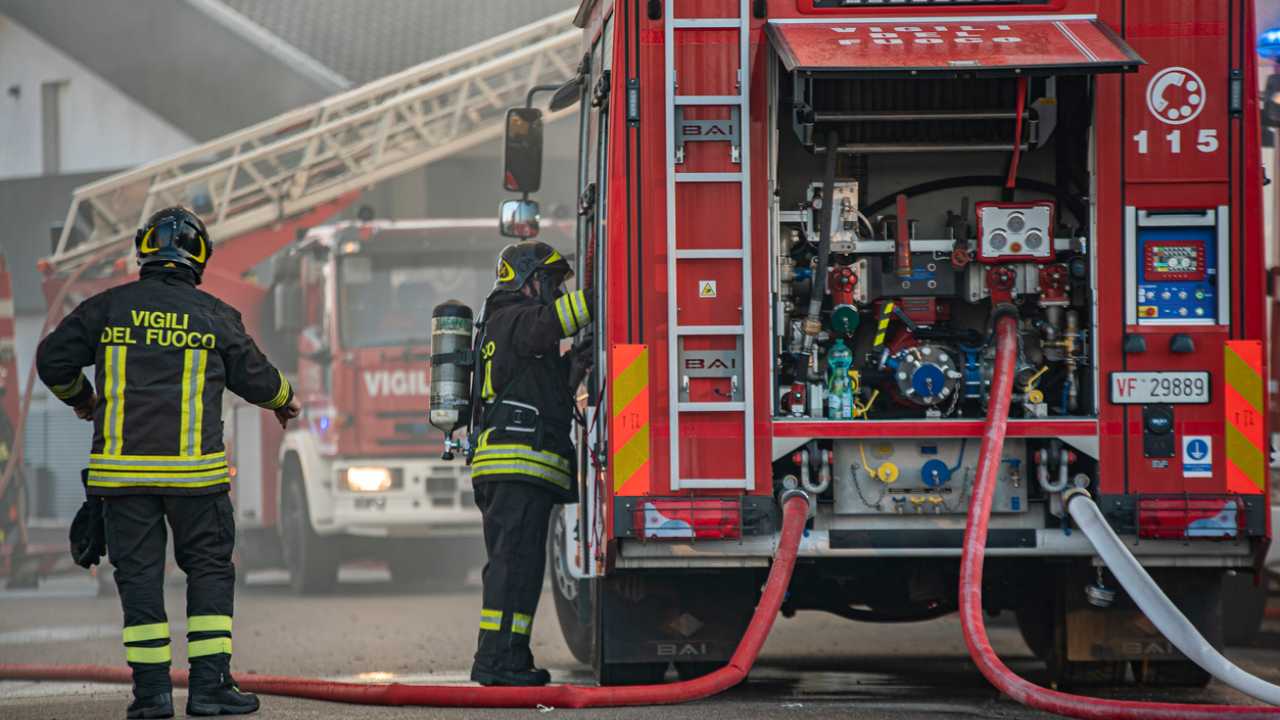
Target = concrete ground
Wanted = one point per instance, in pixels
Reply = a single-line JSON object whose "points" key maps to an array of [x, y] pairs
{"points": [[813, 666]]}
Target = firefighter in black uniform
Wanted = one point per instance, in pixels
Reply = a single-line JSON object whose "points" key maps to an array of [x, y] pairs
{"points": [[163, 351], [523, 458]]}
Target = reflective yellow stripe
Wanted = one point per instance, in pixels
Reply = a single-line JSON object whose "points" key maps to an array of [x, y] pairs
{"points": [[579, 299], [567, 324], [521, 624], [487, 392], [209, 623], [515, 467], [515, 451], [158, 458], [153, 474], [281, 396], [197, 419], [70, 390], [156, 483], [184, 407], [148, 655], [212, 646], [118, 388], [109, 395], [554, 462], [154, 631], [490, 619], [158, 467]]}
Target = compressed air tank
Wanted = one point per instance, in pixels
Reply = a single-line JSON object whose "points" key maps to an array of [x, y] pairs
{"points": [[451, 365]]}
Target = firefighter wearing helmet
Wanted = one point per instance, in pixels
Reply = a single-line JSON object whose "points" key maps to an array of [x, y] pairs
{"points": [[163, 351], [523, 459]]}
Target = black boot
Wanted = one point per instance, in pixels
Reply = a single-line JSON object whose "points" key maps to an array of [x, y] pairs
{"points": [[225, 700], [152, 706], [529, 677]]}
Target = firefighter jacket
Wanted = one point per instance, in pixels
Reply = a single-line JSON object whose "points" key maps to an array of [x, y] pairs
{"points": [[526, 404], [163, 351]]}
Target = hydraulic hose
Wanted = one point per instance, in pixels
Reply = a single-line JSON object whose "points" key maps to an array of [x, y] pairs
{"points": [[1153, 603], [795, 511], [971, 563]]}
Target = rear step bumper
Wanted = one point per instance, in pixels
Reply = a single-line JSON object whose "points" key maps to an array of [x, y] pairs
{"points": [[755, 551]]}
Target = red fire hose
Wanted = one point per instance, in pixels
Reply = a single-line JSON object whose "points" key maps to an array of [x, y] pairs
{"points": [[975, 541], [795, 510]]}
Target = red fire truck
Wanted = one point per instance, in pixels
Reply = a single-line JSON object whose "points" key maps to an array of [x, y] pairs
{"points": [[799, 216], [359, 478]]}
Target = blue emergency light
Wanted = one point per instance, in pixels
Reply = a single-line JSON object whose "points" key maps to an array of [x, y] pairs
{"points": [[1269, 44]]}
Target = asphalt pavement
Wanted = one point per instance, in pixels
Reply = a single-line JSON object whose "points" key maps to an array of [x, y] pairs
{"points": [[813, 666]]}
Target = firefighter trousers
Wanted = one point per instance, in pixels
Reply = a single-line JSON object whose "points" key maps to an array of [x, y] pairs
{"points": [[203, 539], [515, 516]]}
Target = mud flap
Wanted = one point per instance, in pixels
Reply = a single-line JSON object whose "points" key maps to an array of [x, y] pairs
{"points": [[1123, 633], [673, 616]]}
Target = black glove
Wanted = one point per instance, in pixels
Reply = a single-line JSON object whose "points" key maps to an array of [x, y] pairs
{"points": [[88, 534], [581, 359]]}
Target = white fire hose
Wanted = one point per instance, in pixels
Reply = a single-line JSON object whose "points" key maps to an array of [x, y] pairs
{"points": [[1153, 603]]}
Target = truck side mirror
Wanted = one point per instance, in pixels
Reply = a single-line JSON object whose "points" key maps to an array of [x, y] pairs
{"points": [[519, 219], [288, 308], [522, 164]]}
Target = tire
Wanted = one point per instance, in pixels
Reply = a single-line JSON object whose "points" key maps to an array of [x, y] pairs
{"points": [[1035, 624], [573, 597], [1244, 604], [309, 558]]}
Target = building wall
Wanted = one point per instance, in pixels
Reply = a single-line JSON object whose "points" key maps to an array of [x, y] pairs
{"points": [[101, 128]]}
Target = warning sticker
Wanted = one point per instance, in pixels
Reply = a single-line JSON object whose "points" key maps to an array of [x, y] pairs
{"points": [[706, 288], [1197, 456]]}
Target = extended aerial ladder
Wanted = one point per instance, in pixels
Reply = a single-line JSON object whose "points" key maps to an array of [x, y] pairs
{"points": [[257, 186], [305, 158]]}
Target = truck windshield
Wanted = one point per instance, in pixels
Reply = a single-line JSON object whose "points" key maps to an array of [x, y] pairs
{"points": [[387, 298]]}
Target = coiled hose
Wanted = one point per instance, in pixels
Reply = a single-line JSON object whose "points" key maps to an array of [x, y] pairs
{"points": [[795, 510], [971, 562]]}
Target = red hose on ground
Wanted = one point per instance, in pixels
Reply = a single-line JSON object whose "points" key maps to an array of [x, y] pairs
{"points": [[971, 559], [795, 510]]}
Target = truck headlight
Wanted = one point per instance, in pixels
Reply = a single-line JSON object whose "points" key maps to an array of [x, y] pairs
{"points": [[370, 479]]}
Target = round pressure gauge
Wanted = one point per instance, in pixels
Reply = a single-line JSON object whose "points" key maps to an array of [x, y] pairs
{"points": [[1034, 240], [1016, 222], [997, 240]]}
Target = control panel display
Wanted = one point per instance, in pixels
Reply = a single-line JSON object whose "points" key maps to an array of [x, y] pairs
{"points": [[1174, 261], [1177, 275]]}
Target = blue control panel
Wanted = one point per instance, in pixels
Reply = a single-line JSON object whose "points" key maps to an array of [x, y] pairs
{"points": [[1177, 275]]}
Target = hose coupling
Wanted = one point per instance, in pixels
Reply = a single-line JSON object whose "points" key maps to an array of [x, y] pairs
{"points": [[796, 492], [1072, 493]]}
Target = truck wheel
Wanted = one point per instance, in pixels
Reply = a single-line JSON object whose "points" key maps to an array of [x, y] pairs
{"points": [[312, 567], [572, 596], [1244, 603], [1035, 624]]}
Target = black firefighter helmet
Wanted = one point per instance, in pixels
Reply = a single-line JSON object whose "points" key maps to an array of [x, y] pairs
{"points": [[176, 236], [519, 262]]}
